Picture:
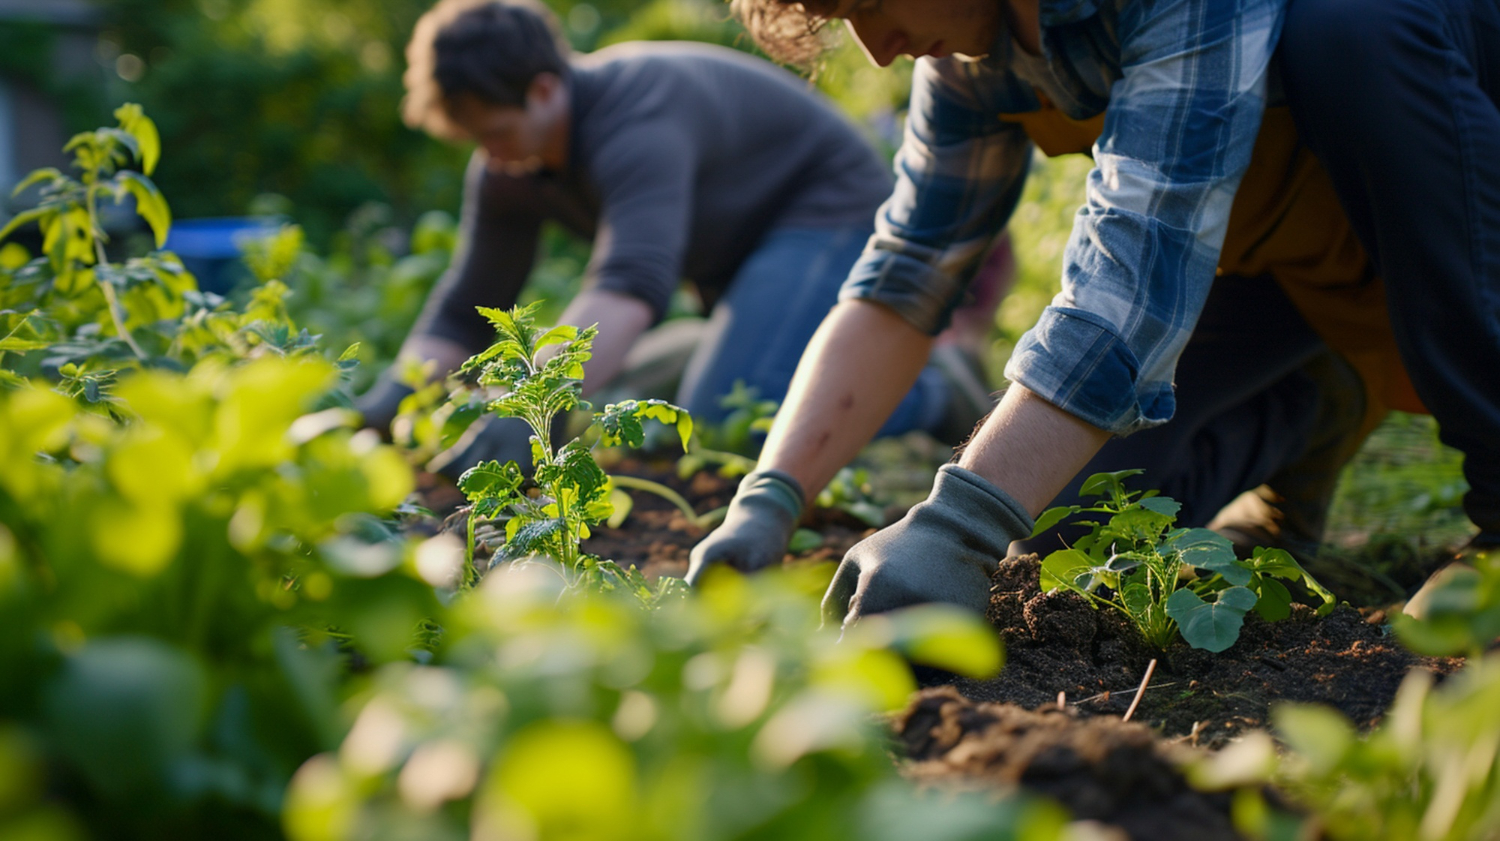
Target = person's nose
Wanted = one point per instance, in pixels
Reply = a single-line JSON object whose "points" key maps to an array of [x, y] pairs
{"points": [[880, 40]]}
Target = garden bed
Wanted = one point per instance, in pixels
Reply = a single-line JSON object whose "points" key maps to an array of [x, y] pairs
{"points": [[1010, 730]]}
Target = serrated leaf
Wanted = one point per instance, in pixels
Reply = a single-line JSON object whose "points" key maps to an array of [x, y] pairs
{"points": [[490, 479]]}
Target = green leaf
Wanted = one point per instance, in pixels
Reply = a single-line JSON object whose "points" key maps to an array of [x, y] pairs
{"points": [[1321, 736], [623, 503], [1053, 516], [149, 203], [1107, 484], [1281, 564], [948, 638], [1136, 597], [26, 217], [1208, 550], [557, 335], [1210, 626], [1163, 505], [50, 174], [804, 540], [1275, 603], [490, 480], [133, 119], [1062, 569]]}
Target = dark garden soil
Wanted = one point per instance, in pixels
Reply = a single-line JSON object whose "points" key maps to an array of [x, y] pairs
{"points": [[657, 538], [1116, 773], [1010, 730], [1058, 643]]}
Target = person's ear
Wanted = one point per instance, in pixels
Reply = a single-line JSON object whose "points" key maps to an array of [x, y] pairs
{"points": [[543, 90]]}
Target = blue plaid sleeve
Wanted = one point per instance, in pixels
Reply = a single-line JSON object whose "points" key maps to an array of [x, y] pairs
{"points": [[959, 173], [1177, 138]]}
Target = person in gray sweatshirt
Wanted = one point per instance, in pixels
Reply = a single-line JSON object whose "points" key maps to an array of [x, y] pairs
{"points": [[677, 161]]}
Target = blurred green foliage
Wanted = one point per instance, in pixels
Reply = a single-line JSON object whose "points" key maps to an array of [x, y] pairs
{"points": [[205, 584]]}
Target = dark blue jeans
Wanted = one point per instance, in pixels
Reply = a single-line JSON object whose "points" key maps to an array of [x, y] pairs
{"points": [[759, 328], [1398, 100]]}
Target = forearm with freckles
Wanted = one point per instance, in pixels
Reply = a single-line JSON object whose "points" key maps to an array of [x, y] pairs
{"points": [[858, 366], [1031, 449]]}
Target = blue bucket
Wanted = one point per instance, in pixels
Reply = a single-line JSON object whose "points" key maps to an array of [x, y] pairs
{"points": [[211, 248]]}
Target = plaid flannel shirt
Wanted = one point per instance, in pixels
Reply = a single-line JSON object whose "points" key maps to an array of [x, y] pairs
{"points": [[1184, 83]]}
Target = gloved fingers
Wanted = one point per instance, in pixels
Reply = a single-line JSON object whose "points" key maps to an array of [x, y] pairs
{"points": [[841, 591], [487, 439], [698, 563]]}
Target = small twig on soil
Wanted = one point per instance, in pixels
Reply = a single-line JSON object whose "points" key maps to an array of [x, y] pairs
{"points": [[1062, 701], [1145, 681], [1193, 736], [1103, 697]]}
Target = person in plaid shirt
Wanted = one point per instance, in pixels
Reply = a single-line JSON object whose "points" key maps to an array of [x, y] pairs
{"points": [[1170, 98]]}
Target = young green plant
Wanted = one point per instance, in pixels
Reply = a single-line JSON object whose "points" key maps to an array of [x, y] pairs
{"points": [[1167, 581], [540, 371]]}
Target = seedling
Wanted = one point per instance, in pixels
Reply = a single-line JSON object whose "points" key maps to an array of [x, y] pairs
{"points": [[1167, 581], [541, 373], [68, 213]]}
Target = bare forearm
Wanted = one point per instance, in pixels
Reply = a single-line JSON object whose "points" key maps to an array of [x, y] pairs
{"points": [[860, 363], [621, 319], [1031, 449]]}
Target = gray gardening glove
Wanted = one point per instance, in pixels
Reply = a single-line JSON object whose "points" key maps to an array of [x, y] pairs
{"points": [[757, 527], [944, 550], [380, 404], [487, 439]]}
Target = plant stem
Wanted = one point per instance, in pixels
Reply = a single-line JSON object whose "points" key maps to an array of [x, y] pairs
{"points": [[665, 493], [96, 233]]}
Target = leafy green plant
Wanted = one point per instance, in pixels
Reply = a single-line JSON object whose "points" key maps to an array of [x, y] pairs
{"points": [[72, 228], [541, 373], [80, 316], [1430, 770], [1167, 581], [578, 714], [1462, 615]]}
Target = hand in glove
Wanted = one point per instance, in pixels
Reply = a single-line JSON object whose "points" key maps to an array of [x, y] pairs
{"points": [[944, 550], [757, 527], [382, 402], [487, 439]]}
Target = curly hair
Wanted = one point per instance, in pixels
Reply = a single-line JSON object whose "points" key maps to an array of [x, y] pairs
{"points": [[488, 49], [789, 31]]}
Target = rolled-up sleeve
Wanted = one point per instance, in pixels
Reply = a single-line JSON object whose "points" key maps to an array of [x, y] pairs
{"points": [[1177, 138], [959, 174]]}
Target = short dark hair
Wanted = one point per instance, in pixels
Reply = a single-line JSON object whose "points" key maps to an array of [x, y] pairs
{"points": [[487, 49], [793, 32]]}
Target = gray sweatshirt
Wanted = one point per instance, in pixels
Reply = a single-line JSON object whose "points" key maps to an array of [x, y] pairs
{"points": [[683, 156]]}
